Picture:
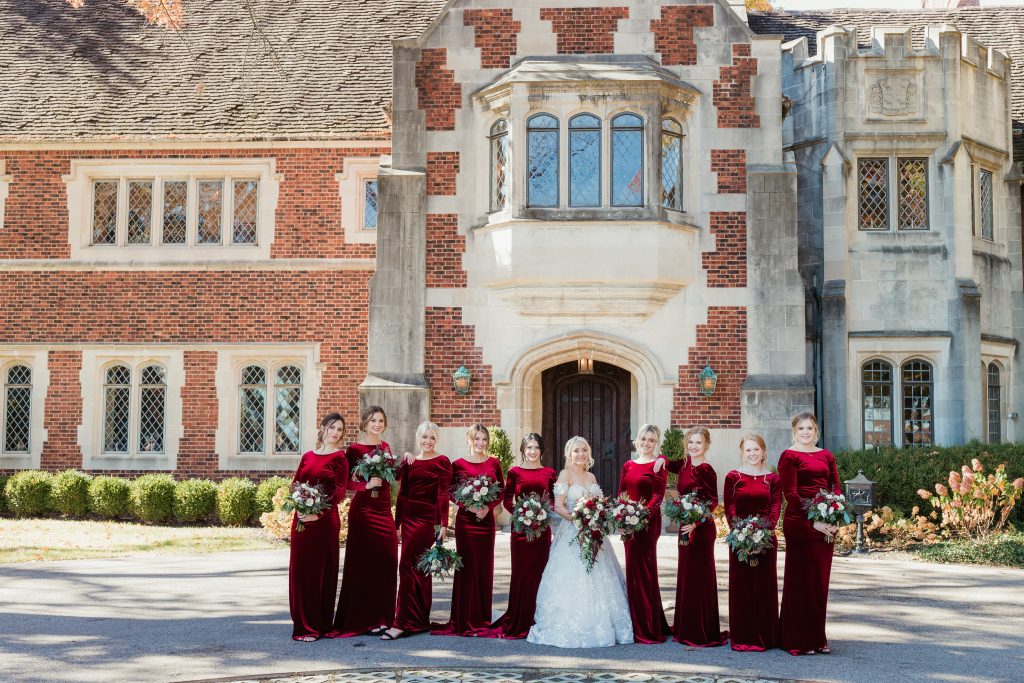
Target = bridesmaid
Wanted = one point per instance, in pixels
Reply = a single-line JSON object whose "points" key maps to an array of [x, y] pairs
{"points": [[804, 470], [474, 541], [528, 557], [753, 591], [696, 620], [366, 605], [422, 505], [639, 481], [313, 564]]}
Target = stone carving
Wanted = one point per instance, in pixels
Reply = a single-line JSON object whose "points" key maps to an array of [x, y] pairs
{"points": [[894, 96]]}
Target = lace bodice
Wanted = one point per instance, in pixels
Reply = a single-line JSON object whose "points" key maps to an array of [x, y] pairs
{"points": [[574, 492]]}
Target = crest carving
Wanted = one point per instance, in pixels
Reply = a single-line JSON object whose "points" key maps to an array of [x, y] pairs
{"points": [[894, 96]]}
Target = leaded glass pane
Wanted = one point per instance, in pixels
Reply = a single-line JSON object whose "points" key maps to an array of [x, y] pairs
{"points": [[286, 419], [370, 204], [118, 374], [500, 157], [289, 374], [994, 404], [254, 374], [671, 165], [627, 160], [140, 211], [542, 161], [917, 404], [876, 386], [17, 409], [873, 194], [151, 419], [985, 189], [19, 374], [104, 212], [116, 409], [211, 209], [912, 175], [175, 210], [243, 226], [585, 161], [252, 406]]}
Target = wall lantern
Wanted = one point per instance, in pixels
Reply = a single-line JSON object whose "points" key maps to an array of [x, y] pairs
{"points": [[585, 366], [461, 379], [860, 493], [708, 380]]}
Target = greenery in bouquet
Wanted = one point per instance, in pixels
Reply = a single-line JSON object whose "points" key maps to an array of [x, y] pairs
{"points": [[479, 491], [305, 500], [377, 463], [750, 537], [439, 562], [629, 516], [685, 510], [531, 515], [592, 517]]}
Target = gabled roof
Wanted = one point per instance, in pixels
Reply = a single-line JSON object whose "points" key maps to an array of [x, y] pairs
{"points": [[101, 72]]}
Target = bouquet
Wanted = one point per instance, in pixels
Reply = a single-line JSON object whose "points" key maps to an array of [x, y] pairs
{"points": [[687, 509], [592, 517], [476, 492], [305, 500], [629, 516], [531, 515], [830, 508], [748, 538], [377, 463], [439, 562]]}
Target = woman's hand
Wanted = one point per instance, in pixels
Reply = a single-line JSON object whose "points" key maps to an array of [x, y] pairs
{"points": [[684, 530], [659, 465], [306, 519], [478, 511], [826, 529], [375, 482], [441, 534], [409, 458]]}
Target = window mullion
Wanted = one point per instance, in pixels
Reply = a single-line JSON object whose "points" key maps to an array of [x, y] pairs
{"points": [[269, 424], [157, 222], [192, 212], [121, 231], [227, 233]]}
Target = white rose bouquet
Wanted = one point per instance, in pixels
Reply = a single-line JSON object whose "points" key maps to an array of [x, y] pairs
{"points": [[304, 499], [629, 516], [531, 515], [478, 492], [830, 508], [439, 562], [748, 538], [377, 463], [686, 509], [592, 517]]}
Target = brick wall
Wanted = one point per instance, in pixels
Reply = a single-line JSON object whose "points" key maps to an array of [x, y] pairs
{"points": [[63, 412], [449, 344], [673, 32], [439, 94], [445, 247], [442, 171], [198, 415], [730, 167], [584, 30], [496, 33], [721, 342], [731, 93], [726, 266]]}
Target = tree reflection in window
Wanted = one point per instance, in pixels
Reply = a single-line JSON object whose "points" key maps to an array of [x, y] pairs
{"points": [[671, 165], [584, 160], [627, 160], [500, 157], [917, 403], [542, 160]]}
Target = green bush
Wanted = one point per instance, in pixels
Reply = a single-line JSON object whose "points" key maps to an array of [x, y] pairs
{"points": [[3, 496], [195, 500], [672, 446], [28, 492], [266, 490], [1003, 550], [70, 493], [153, 497], [236, 501], [110, 497], [500, 447]]}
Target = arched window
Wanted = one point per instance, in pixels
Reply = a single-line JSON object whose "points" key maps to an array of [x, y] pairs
{"points": [[152, 403], [627, 160], [500, 157], [252, 401], [17, 408], [542, 160], [993, 403], [584, 160], [287, 402], [117, 401], [918, 394], [671, 165], [876, 388]]}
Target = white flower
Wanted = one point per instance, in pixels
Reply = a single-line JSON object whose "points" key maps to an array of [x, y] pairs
{"points": [[375, 459], [687, 505], [435, 565], [466, 490], [476, 496], [633, 520], [297, 495], [758, 535], [529, 514], [822, 506], [542, 515], [484, 490], [527, 523], [477, 482]]}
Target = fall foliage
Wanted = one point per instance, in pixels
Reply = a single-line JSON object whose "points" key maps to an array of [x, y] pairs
{"points": [[758, 5], [166, 13]]}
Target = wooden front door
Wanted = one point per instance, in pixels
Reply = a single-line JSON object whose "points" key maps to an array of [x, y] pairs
{"points": [[594, 406]]}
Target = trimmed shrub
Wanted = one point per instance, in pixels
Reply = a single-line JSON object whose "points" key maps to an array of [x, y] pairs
{"points": [[153, 497], [195, 500], [28, 492], [3, 496], [70, 493], [110, 497], [500, 447], [1003, 550], [265, 493], [672, 446], [236, 501]]}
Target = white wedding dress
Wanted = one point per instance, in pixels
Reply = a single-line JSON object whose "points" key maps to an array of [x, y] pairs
{"points": [[574, 608]]}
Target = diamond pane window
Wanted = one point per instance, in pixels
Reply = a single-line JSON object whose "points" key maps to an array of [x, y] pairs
{"points": [[252, 402], [671, 165], [175, 211], [912, 176], [542, 160], [876, 386], [500, 157], [584, 160], [211, 208], [370, 204], [985, 190], [873, 194], [243, 225], [104, 212], [917, 403], [17, 409], [117, 392], [152, 394], [627, 160], [140, 211], [993, 401], [287, 399]]}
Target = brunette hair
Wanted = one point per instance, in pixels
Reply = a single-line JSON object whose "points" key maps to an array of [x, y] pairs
{"points": [[703, 431], [570, 444], [647, 429], [800, 417], [759, 440], [472, 431], [325, 422], [368, 412], [532, 436]]}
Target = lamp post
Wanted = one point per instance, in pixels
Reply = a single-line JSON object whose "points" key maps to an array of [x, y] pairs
{"points": [[860, 493]]}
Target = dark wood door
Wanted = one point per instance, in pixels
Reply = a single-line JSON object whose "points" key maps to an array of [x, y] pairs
{"points": [[594, 406]]}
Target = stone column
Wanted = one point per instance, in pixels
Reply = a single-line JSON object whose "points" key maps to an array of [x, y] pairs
{"points": [[962, 415], [834, 332]]}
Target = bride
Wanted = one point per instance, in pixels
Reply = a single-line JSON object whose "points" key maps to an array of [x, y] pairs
{"points": [[576, 608]]}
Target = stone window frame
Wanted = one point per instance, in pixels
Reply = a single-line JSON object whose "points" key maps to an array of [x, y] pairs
{"points": [[864, 400], [892, 198], [498, 140], [269, 422], [37, 361], [987, 398], [136, 386], [680, 136], [356, 172], [1000, 353], [978, 204]]}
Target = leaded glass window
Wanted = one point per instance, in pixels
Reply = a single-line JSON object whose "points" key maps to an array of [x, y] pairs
{"points": [[993, 400], [584, 160], [243, 224], [912, 189], [873, 194], [876, 386], [671, 165], [117, 395], [627, 160], [985, 191], [500, 158], [17, 408], [287, 399], [152, 400], [140, 211], [211, 209], [252, 407], [370, 199], [542, 160], [175, 211], [104, 212], [917, 392]]}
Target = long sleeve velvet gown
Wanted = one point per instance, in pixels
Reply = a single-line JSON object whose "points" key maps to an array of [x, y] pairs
{"points": [[754, 591], [528, 557], [640, 482], [370, 579], [474, 541], [422, 505], [808, 554], [696, 621], [313, 561]]}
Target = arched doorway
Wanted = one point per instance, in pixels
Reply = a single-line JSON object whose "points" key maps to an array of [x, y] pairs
{"points": [[593, 405]]}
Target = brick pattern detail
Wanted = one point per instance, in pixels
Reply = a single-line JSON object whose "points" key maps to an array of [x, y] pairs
{"points": [[726, 266], [198, 414], [450, 344], [731, 93], [731, 167], [673, 33], [445, 247], [442, 170], [496, 34], [722, 343], [439, 94], [584, 30], [63, 411]]}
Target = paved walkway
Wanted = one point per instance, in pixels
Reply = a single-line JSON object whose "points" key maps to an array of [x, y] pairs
{"points": [[186, 618]]}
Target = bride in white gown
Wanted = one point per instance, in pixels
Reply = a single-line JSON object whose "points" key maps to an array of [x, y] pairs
{"points": [[576, 608]]}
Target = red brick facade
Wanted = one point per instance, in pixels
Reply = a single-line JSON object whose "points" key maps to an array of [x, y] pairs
{"points": [[673, 33], [731, 94], [442, 171], [439, 94], [730, 166], [445, 247], [497, 35], [584, 30], [726, 266], [721, 343], [63, 411], [449, 344]]}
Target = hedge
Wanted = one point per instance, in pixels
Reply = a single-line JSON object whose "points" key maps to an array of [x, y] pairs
{"points": [[236, 501], [3, 496], [195, 500], [110, 497], [28, 492], [153, 497], [70, 493], [265, 493]]}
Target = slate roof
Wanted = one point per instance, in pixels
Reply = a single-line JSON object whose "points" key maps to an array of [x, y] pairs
{"points": [[101, 72]]}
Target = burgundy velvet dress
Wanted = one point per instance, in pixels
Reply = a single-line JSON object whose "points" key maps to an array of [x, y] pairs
{"points": [[641, 483], [808, 554], [474, 541], [313, 564], [696, 621], [528, 557], [422, 504], [369, 582], [753, 591]]}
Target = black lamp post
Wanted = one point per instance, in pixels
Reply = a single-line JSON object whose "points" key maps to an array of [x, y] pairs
{"points": [[860, 493]]}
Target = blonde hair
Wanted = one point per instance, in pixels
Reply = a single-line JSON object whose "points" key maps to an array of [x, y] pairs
{"points": [[570, 445], [703, 431], [801, 417], [647, 429], [474, 430], [369, 412], [759, 440], [425, 427]]}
